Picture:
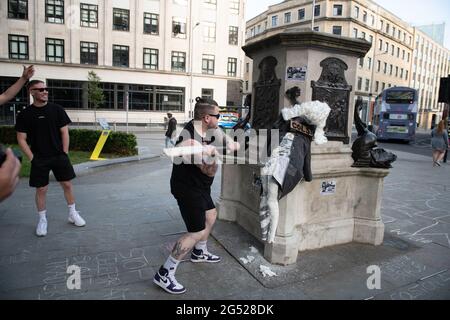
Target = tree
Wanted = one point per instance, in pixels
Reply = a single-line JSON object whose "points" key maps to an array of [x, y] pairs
{"points": [[95, 93]]}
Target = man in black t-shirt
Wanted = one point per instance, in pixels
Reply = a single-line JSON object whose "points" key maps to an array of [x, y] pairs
{"points": [[190, 184], [43, 135]]}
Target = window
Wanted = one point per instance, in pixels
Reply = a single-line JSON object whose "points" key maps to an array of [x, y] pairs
{"points": [[381, 24], [247, 67], [391, 69], [369, 62], [317, 10], [89, 53], [383, 86], [232, 67], [379, 66], [365, 16], [355, 33], [377, 86], [406, 74], [89, 15], [121, 19], [208, 94], [367, 85], [208, 64], [151, 59], [54, 50], [361, 62], [401, 73], [363, 35], [246, 85], [387, 27], [234, 6], [178, 28], [371, 39], [356, 12], [359, 83], [178, 61], [396, 71], [398, 52], [408, 57], [121, 57], [385, 68], [151, 23], [316, 29], [209, 32], [301, 14], [287, 17], [233, 36], [65, 92], [18, 9], [392, 50], [274, 21], [381, 45], [337, 10], [337, 30], [18, 47], [54, 11]]}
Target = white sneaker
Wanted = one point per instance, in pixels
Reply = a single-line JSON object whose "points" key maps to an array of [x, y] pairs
{"points": [[41, 230], [76, 219]]}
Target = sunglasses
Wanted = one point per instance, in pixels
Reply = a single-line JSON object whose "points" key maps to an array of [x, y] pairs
{"points": [[40, 89], [217, 116]]}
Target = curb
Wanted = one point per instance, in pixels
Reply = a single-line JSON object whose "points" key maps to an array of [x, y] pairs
{"points": [[85, 168]]}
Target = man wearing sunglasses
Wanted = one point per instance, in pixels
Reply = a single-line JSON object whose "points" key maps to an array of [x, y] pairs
{"points": [[44, 126], [190, 184]]}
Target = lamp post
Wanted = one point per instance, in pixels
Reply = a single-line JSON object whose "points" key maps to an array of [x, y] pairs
{"points": [[191, 67]]}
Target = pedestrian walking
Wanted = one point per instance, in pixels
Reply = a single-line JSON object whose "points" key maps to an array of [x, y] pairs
{"points": [[190, 184], [45, 126], [171, 131], [439, 143]]}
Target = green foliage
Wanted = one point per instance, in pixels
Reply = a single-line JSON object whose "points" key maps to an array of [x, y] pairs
{"points": [[95, 93], [118, 143]]}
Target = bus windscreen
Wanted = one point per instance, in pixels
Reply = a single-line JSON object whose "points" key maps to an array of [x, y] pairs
{"points": [[400, 97]]}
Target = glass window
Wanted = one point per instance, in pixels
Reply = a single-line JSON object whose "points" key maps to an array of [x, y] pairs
{"points": [[68, 94], [121, 57], [359, 83], [178, 28], [209, 32], [89, 15], [151, 23], [274, 21], [89, 53], [287, 17], [356, 12], [54, 50], [234, 6], [178, 61], [208, 64], [233, 35], [365, 16], [232, 67], [208, 94], [18, 9], [54, 11], [18, 47], [151, 57], [367, 85], [317, 10], [121, 19], [301, 14], [337, 10], [337, 30]]}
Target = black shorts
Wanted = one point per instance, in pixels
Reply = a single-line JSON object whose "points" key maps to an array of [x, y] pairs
{"points": [[40, 170], [193, 207]]}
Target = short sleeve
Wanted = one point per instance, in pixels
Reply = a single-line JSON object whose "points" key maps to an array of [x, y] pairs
{"points": [[21, 123], [63, 119]]}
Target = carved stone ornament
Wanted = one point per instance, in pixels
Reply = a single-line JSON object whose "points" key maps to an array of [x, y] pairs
{"points": [[267, 94], [333, 89]]}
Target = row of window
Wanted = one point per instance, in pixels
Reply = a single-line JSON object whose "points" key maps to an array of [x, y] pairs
{"points": [[54, 13], [54, 10], [384, 46], [18, 49], [395, 32], [367, 85], [399, 72]]}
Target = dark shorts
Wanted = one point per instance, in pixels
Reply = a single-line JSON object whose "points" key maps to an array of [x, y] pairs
{"points": [[193, 207], [40, 170]]}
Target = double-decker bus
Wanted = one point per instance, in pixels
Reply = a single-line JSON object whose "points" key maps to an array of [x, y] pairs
{"points": [[395, 114]]}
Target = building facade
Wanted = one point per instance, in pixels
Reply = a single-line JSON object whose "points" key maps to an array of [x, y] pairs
{"points": [[153, 56], [390, 61]]}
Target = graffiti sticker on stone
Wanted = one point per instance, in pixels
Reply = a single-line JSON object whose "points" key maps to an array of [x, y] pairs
{"points": [[296, 73], [328, 187]]}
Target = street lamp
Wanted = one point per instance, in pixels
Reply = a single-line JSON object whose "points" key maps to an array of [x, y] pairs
{"points": [[191, 67]]}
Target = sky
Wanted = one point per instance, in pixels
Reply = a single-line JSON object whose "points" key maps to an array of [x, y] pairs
{"points": [[417, 12]]}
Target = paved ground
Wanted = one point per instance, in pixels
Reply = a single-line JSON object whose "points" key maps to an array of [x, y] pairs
{"points": [[133, 222]]}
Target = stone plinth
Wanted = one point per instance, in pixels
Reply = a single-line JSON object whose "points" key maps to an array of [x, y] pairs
{"points": [[310, 218]]}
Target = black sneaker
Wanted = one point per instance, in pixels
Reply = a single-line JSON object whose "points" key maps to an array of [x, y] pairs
{"points": [[197, 255], [168, 282]]}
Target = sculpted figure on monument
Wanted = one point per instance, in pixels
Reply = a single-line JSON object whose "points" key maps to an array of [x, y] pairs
{"points": [[290, 162], [365, 151]]}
